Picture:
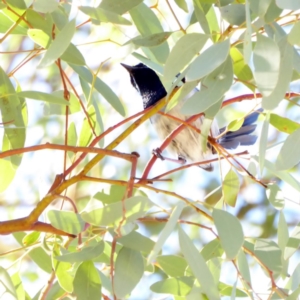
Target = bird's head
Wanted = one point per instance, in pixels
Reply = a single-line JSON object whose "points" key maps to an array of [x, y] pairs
{"points": [[147, 83]]}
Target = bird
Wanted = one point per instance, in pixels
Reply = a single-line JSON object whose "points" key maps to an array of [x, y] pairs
{"points": [[186, 145]]}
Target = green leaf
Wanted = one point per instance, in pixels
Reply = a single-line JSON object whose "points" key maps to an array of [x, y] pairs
{"points": [[31, 238], [293, 242], [283, 124], [54, 109], [214, 86], [213, 23], [66, 221], [266, 66], [59, 45], [87, 253], [181, 94], [263, 142], [100, 87], [240, 68], [294, 295], [269, 253], [54, 293], [19, 287], [232, 291], [182, 4], [135, 207], [116, 194], [147, 23], [168, 229], [259, 8], [271, 100], [234, 14], [62, 271], [151, 64], [103, 15], [35, 95], [12, 113], [136, 241], [180, 286], [294, 280], [98, 126], [231, 187], [294, 35], [150, 40], [208, 61], [244, 270], [73, 56], [285, 176], [85, 135], [212, 249], [45, 6], [230, 232], [198, 266], [8, 290], [39, 22], [275, 196], [289, 154], [200, 13], [247, 45], [87, 282], [60, 18], [7, 171], [7, 24], [119, 6], [72, 138], [283, 236], [38, 255], [17, 3], [182, 53], [172, 265], [129, 269], [273, 12], [235, 125], [39, 37], [288, 4]]}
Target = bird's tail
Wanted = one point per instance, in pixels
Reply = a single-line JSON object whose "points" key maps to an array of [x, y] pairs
{"points": [[241, 137]]}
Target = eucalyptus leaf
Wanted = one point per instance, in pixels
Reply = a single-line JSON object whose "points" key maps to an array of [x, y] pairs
{"points": [[213, 89], [103, 15], [147, 23], [180, 286], [59, 45], [129, 269], [87, 282], [269, 253], [283, 124], [266, 66], [230, 232], [231, 187], [289, 154], [112, 214], [208, 61], [119, 6], [198, 266]]}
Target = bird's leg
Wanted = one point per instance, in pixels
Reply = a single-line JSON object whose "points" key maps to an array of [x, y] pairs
{"points": [[158, 153], [181, 159]]}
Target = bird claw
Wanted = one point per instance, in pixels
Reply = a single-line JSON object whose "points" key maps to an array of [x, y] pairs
{"points": [[157, 153], [181, 159]]}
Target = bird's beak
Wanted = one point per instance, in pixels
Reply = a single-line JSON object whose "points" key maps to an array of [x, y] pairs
{"points": [[128, 68]]}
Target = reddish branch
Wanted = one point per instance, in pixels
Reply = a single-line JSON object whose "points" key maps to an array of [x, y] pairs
{"points": [[31, 221]]}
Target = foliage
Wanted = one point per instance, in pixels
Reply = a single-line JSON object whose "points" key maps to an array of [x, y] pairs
{"points": [[122, 234]]}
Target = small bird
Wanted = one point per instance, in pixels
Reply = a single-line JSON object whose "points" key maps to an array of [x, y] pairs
{"points": [[186, 145]]}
